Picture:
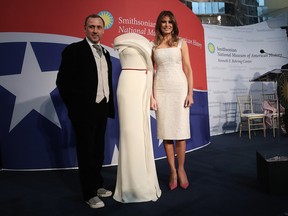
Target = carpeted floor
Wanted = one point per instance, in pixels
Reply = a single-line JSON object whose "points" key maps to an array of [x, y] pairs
{"points": [[223, 182]]}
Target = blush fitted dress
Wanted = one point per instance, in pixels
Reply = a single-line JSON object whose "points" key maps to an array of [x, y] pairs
{"points": [[170, 91]]}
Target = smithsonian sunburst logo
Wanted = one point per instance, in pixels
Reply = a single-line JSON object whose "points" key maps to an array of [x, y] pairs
{"points": [[108, 19], [211, 47]]}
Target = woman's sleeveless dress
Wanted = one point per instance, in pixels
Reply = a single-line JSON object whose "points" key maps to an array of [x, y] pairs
{"points": [[170, 91], [136, 173]]}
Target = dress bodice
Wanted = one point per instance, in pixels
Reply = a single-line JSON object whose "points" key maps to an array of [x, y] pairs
{"points": [[168, 58], [127, 42], [132, 58]]}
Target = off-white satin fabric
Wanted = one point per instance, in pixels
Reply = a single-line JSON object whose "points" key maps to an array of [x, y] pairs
{"points": [[136, 173]]}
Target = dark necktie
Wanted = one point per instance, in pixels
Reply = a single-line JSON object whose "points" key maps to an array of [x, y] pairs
{"points": [[98, 49]]}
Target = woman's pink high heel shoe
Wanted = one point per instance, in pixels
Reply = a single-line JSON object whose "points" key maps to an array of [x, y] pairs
{"points": [[184, 185], [173, 185], [173, 182]]}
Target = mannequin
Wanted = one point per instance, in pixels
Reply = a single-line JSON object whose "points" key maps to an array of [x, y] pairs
{"points": [[136, 174]]}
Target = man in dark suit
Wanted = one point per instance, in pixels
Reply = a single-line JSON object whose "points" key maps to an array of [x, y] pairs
{"points": [[84, 82]]}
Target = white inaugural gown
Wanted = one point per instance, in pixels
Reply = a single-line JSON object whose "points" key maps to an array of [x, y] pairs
{"points": [[136, 174]]}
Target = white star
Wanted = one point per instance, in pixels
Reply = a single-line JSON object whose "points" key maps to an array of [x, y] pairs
{"points": [[32, 90], [115, 155]]}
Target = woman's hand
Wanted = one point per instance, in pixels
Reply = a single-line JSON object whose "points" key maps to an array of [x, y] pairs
{"points": [[188, 101], [153, 104]]}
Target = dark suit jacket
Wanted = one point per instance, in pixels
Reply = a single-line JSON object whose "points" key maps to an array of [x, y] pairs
{"points": [[77, 81]]}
